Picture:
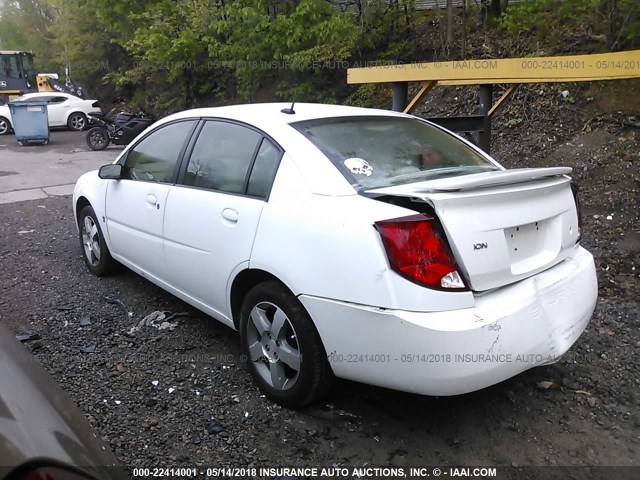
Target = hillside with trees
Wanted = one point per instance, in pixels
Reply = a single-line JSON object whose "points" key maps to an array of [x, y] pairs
{"points": [[174, 54]]}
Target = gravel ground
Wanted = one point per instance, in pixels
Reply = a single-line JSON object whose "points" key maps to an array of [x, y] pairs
{"points": [[183, 397]]}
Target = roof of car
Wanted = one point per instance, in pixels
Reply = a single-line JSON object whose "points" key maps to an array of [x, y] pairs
{"points": [[49, 94], [255, 113]]}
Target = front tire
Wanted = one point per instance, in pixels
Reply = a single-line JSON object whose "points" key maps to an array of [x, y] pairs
{"points": [[5, 126], [94, 249], [285, 355], [97, 138], [77, 121]]}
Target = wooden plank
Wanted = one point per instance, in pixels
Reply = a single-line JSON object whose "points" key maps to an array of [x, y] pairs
{"points": [[426, 88], [503, 98], [570, 68]]}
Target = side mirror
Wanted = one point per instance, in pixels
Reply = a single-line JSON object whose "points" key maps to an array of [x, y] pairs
{"points": [[110, 172]]}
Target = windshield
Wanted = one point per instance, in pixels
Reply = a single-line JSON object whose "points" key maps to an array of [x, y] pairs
{"points": [[383, 151]]}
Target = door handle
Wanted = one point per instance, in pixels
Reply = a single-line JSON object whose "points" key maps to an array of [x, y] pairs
{"points": [[152, 200], [230, 214]]}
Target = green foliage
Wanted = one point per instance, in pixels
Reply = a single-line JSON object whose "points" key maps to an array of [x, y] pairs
{"points": [[24, 25], [168, 53], [364, 96], [528, 17], [173, 54], [79, 39], [302, 38], [616, 22], [513, 122], [387, 28]]}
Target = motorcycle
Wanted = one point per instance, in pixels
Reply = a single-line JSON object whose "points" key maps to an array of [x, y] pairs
{"points": [[119, 130]]}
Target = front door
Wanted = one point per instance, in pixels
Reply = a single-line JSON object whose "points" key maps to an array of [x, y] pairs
{"points": [[135, 205]]}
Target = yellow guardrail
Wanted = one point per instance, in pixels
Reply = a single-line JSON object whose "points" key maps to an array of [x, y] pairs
{"points": [[570, 68]]}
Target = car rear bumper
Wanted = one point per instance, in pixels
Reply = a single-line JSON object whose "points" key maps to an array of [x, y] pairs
{"points": [[510, 330]]}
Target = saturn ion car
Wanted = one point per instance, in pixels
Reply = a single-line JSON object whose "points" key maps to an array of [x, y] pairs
{"points": [[363, 244]]}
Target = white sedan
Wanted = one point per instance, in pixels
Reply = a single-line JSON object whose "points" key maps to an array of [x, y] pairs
{"points": [[363, 244], [63, 110]]}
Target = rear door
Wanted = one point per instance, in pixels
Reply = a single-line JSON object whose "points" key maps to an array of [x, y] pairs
{"points": [[57, 110], [213, 212], [135, 205]]}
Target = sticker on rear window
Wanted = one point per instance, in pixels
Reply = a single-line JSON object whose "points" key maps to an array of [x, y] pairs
{"points": [[358, 166]]}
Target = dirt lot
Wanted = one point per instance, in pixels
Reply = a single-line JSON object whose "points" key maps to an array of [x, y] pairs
{"points": [[182, 396]]}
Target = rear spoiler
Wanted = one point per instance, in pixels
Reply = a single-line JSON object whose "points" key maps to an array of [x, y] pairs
{"points": [[475, 181]]}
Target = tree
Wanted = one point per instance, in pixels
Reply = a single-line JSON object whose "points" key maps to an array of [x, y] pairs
{"points": [[24, 25]]}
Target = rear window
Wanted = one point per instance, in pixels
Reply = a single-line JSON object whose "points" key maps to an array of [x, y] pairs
{"points": [[374, 152]]}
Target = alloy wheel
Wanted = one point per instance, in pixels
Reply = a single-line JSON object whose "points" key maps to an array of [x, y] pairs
{"points": [[91, 241], [4, 126], [77, 122], [273, 346]]}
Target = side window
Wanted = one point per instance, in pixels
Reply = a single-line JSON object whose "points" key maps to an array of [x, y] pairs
{"points": [[57, 99], [155, 157], [37, 99], [221, 157], [264, 169]]}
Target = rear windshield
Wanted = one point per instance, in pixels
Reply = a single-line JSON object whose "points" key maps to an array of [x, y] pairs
{"points": [[376, 152]]}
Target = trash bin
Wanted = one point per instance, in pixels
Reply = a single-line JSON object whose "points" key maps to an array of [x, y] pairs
{"points": [[30, 122]]}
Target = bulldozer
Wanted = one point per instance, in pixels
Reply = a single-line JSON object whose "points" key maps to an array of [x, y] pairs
{"points": [[18, 76], [17, 73]]}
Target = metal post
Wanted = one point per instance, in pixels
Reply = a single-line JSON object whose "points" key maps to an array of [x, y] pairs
{"points": [[400, 94], [484, 137]]}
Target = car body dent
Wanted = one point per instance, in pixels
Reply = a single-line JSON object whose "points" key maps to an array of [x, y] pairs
{"points": [[530, 323]]}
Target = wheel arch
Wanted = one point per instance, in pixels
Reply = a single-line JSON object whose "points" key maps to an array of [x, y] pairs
{"points": [[73, 112], [80, 204], [90, 190], [242, 283]]}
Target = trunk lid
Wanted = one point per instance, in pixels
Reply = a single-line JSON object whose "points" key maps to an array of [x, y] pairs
{"points": [[502, 226]]}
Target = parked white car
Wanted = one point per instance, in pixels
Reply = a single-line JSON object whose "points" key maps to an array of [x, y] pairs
{"points": [[365, 244], [63, 110]]}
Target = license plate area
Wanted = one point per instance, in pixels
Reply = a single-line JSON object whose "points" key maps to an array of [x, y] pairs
{"points": [[532, 245]]}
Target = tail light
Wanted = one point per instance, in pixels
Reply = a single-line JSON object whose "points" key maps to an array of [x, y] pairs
{"points": [[95, 105], [575, 189], [419, 252]]}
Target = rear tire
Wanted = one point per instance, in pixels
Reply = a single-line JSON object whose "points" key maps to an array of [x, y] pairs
{"points": [[77, 121], [284, 352], [97, 138], [94, 249]]}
